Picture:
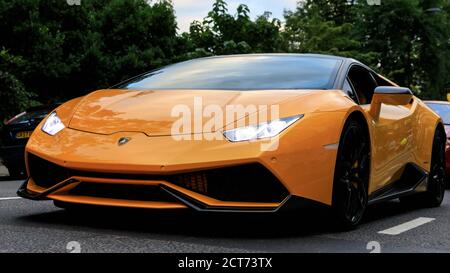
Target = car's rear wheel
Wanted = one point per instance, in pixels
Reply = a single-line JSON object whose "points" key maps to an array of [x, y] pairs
{"points": [[351, 176], [434, 195]]}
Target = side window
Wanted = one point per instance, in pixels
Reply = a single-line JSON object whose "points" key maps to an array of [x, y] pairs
{"points": [[348, 89], [363, 83]]}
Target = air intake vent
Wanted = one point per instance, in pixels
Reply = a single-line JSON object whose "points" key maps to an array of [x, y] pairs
{"points": [[122, 192]]}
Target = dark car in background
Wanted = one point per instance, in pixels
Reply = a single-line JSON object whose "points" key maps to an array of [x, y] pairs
{"points": [[442, 108], [14, 136]]}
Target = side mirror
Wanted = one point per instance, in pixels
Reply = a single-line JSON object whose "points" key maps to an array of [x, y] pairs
{"points": [[389, 95]]}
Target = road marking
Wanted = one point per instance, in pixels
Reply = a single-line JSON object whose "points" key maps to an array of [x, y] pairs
{"points": [[407, 226], [9, 198]]}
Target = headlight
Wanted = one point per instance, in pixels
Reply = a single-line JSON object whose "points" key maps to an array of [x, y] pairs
{"points": [[260, 131], [53, 124]]}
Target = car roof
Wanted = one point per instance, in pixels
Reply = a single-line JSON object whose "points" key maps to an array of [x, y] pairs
{"points": [[281, 55]]}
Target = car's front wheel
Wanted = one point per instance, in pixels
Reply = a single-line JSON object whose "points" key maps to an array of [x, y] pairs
{"points": [[351, 176]]}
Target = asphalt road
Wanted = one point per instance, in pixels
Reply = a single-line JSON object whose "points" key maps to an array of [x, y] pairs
{"points": [[27, 226]]}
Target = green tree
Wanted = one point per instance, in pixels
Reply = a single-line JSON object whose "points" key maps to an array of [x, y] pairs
{"points": [[391, 30], [57, 51], [412, 43], [68, 51], [400, 38], [13, 96], [326, 27], [434, 50], [222, 33]]}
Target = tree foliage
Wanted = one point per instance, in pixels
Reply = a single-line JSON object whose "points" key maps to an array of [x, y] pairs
{"points": [[13, 95], [400, 38], [66, 51], [327, 27], [412, 43], [223, 33], [51, 51]]}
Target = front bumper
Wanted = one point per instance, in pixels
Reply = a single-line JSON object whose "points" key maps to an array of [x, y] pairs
{"points": [[181, 198], [247, 187]]}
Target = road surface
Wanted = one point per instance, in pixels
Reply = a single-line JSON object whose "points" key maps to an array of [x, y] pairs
{"points": [[29, 226]]}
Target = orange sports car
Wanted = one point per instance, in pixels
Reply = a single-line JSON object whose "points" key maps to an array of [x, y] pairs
{"points": [[246, 133]]}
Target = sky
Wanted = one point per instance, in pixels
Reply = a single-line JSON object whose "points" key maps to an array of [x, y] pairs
{"points": [[191, 10]]}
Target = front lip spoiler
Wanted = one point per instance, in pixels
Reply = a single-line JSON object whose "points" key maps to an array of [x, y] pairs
{"points": [[25, 193], [291, 202]]}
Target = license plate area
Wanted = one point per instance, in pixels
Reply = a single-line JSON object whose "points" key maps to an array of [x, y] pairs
{"points": [[23, 134]]}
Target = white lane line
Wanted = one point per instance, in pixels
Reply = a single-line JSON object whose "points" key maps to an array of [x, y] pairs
{"points": [[407, 226], [9, 198]]}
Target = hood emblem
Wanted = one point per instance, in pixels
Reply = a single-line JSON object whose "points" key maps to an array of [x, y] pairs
{"points": [[123, 141]]}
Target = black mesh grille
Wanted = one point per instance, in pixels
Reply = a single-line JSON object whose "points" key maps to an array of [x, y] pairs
{"points": [[247, 183]]}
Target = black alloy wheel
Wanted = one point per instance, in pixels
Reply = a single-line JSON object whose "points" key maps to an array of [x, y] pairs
{"points": [[351, 176]]}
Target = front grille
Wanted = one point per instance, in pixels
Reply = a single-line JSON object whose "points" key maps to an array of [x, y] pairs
{"points": [[247, 183], [197, 182], [122, 192]]}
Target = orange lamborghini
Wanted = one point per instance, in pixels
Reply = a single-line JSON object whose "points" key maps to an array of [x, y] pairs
{"points": [[303, 130]]}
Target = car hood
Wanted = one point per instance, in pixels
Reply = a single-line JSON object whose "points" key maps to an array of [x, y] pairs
{"points": [[154, 112]]}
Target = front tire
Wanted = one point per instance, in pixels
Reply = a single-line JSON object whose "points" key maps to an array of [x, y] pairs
{"points": [[351, 177]]}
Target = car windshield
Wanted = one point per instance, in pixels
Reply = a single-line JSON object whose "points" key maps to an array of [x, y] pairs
{"points": [[443, 110], [242, 73]]}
